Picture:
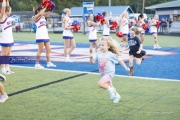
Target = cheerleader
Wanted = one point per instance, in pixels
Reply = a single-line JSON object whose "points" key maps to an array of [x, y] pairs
{"points": [[106, 26], [68, 35], [140, 23], [92, 33], [124, 28], [154, 31], [42, 37], [6, 40]]}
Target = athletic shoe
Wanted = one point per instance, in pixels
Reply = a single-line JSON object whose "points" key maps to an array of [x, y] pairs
{"points": [[3, 98], [6, 72], [112, 94], [68, 60], [117, 98], [39, 66], [2, 78], [51, 65], [155, 47], [10, 71], [158, 47]]}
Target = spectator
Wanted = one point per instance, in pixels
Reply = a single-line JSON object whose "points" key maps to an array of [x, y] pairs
{"points": [[164, 26], [170, 22]]}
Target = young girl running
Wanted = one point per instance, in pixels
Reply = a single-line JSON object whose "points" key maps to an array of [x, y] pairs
{"points": [[42, 37], [6, 40], [124, 28], [92, 33], [3, 96], [107, 57], [140, 23], [136, 51], [68, 35], [154, 31], [106, 26]]}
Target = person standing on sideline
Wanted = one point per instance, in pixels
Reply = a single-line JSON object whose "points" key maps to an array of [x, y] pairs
{"points": [[92, 33], [106, 26], [124, 28], [153, 28], [42, 38], [107, 57], [68, 35], [6, 40]]}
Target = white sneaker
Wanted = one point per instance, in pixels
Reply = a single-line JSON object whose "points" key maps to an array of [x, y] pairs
{"points": [[39, 66], [112, 94], [2, 78], [10, 71], [68, 60], [6, 72], [3, 98], [117, 98], [158, 47], [51, 65]]}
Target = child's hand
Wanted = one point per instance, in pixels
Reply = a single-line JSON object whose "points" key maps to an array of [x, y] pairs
{"points": [[127, 69], [138, 52]]}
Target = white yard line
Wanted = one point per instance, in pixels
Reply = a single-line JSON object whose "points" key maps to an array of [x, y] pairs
{"points": [[136, 77]]}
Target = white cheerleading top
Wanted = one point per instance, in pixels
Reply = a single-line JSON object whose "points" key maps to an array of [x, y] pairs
{"points": [[141, 23], [92, 32], [125, 27], [68, 33], [153, 27], [106, 29], [6, 26], [41, 32]]}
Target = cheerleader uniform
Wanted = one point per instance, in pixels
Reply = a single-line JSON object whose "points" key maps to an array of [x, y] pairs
{"points": [[141, 29], [153, 27], [67, 34], [125, 28], [41, 32], [92, 34], [6, 39], [106, 29]]}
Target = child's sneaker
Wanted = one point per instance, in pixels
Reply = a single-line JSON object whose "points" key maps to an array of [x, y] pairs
{"points": [[68, 60], [39, 66], [6, 73], [51, 65], [2, 78], [3, 98], [158, 47], [112, 94], [117, 98], [10, 71]]}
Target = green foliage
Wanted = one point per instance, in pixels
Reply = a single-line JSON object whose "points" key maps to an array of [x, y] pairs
{"points": [[136, 5]]}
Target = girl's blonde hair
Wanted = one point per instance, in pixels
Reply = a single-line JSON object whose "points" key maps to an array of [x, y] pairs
{"points": [[114, 46], [66, 10]]}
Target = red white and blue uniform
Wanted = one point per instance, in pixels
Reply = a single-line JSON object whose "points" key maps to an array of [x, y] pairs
{"points": [[92, 33], [141, 29], [41, 32], [153, 28], [6, 39], [67, 34], [106, 29], [125, 28]]}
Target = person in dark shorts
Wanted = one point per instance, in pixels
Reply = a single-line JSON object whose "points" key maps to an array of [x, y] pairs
{"points": [[135, 49]]}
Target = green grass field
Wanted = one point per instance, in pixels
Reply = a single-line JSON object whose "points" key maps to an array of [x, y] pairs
{"points": [[80, 98]]}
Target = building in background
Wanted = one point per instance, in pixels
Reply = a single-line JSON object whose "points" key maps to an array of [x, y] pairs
{"points": [[167, 10]]}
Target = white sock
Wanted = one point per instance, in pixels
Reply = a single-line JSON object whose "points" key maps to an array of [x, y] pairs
{"points": [[37, 62], [3, 69], [110, 89], [67, 56], [48, 62], [7, 68]]}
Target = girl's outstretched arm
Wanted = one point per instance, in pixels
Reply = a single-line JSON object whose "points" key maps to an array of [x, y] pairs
{"points": [[124, 65]]}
